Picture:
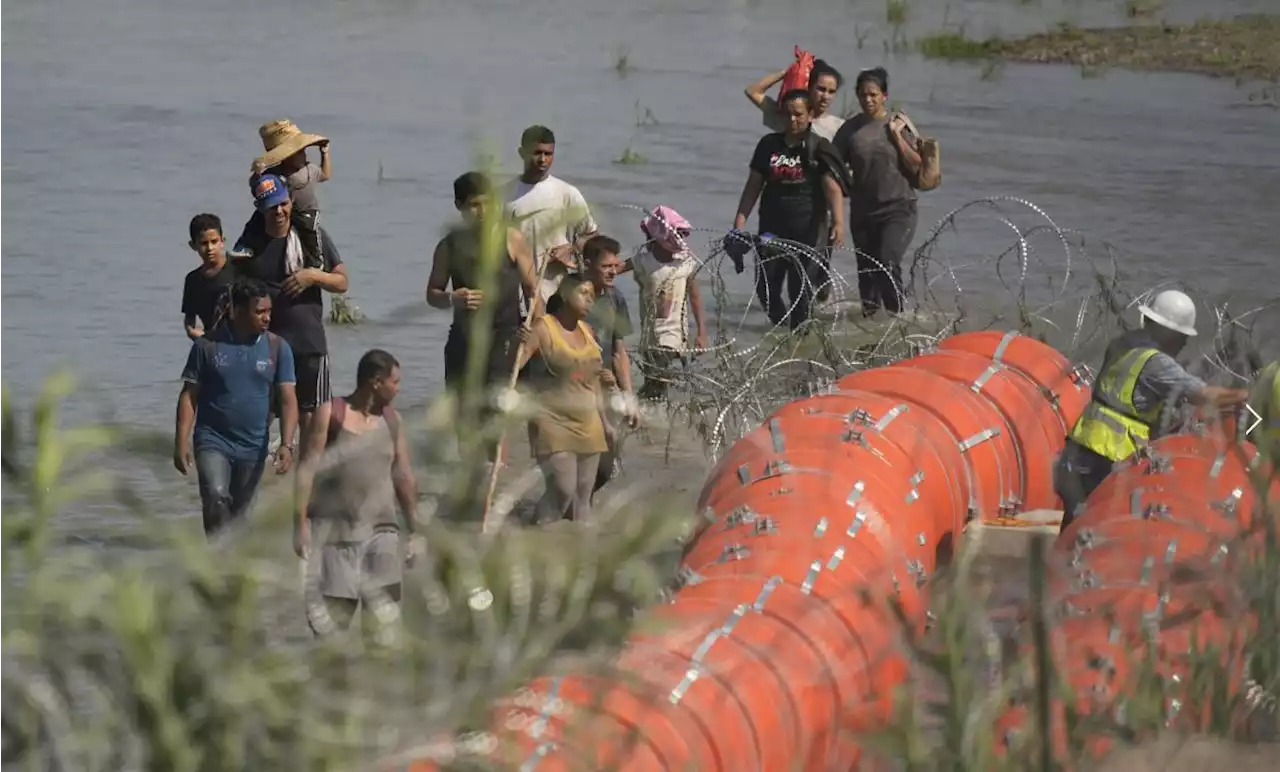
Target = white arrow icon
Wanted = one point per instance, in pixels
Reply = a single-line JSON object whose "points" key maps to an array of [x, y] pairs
{"points": [[1257, 419]]}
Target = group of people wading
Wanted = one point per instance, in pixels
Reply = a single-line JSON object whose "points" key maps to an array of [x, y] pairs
{"points": [[541, 306], [545, 309]]}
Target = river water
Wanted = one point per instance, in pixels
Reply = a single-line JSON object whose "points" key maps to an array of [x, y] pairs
{"points": [[123, 119]]}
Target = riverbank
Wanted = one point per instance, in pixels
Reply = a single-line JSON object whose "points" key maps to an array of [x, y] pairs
{"points": [[1244, 48]]}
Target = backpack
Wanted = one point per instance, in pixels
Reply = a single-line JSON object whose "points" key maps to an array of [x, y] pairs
{"points": [[930, 174], [338, 412]]}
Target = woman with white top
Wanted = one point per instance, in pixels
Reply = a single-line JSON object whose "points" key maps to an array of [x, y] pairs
{"points": [[824, 83]]}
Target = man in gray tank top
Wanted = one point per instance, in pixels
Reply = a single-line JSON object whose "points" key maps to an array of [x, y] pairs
{"points": [[348, 532]]}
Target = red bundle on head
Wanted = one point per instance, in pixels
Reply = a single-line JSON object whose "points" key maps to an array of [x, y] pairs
{"points": [[797, 74]]}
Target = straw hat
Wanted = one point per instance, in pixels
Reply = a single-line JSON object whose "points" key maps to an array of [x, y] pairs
{"points": [[282, 139]]}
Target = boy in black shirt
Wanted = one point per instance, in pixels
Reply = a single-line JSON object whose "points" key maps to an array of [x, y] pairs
{"points": [[205, 287]]}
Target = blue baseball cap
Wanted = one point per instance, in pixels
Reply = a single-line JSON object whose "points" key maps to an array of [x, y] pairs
{"points": [[268, 191]]}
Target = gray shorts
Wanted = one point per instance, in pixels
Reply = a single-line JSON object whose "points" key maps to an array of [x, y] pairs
{"points": [[354, 569]]}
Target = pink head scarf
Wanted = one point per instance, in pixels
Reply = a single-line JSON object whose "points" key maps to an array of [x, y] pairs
{"points": [[665, 226]]}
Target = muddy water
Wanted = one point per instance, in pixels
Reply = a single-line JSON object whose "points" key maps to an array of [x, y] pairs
{"points": [[122, 120]]}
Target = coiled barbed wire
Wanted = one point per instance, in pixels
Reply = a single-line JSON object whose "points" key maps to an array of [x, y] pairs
{"points": [[1060, 286]]}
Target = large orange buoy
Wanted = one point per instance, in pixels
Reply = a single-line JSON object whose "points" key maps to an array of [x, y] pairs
{"points": [[1149, 574], [783, 642], [1064, 385], [1030, 418], [990, 454]]}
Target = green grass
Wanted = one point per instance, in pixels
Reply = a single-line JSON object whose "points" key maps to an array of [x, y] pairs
{"points": [[1243, 48], [952, 45]]}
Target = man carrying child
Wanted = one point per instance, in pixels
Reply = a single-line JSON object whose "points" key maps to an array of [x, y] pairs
{"points": [[295, 271]]}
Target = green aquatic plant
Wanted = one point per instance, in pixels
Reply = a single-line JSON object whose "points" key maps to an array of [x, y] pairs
{"points": [[343, 311], [630, 157]]}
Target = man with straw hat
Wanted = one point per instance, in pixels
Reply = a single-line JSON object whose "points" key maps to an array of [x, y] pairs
{"points": [[1138, 382], [286, 157]]}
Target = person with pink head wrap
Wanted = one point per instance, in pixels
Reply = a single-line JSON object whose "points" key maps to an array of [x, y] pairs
{"points": [[669, 293]]}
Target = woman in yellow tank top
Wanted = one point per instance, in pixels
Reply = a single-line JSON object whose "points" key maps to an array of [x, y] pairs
{"points": [[568, 429]]}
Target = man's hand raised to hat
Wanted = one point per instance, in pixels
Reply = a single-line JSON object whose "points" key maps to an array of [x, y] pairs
{"points": [[299, 281]]}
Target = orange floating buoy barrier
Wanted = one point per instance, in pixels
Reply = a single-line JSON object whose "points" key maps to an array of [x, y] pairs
{"points": [[784, 639], [1029, 417], [1064, 386], [991, 457], [1148, 573]]}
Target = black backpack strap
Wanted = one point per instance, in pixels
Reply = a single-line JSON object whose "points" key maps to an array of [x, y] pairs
{"points": [[273, 351]]}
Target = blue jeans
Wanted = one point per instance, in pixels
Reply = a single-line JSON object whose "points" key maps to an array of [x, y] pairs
{"points": [[227, 487]]}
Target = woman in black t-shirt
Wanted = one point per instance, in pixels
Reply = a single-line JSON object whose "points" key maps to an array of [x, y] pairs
{"points": [[798, 179]]}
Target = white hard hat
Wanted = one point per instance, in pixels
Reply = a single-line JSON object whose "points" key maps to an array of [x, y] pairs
{"points": [[1173, 310]]}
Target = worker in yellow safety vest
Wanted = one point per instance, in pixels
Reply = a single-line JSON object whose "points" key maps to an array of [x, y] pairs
{"points": [[1138, 382]]}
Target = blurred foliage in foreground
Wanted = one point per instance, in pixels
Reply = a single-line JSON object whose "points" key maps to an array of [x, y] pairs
{"points": [[196, 658]]}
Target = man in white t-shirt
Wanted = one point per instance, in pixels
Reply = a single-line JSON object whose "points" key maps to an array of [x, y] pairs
{"points": [[669, 295], [552, 213]]}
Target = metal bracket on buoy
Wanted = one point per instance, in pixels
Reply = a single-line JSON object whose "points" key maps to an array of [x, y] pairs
{"points": [[855, 436], [981, 381], [978, 439], [775, 433], [740, 514], [891, 414], [1229, 506], [858, 416], [1084, 539], [733, 552], [764, 526], [686, 577]]}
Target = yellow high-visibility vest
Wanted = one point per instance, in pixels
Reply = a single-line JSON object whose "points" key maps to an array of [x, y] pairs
{"points": [[1111, 426]]}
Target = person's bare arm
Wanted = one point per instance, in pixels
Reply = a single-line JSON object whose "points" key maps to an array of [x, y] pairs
{"points": [[1221, 396], [695, 305], [835, 204], [191, 324], [529, 347], [906, 148], [334, 280], [326, 163], [520, 251], [288, 423], [310, 455], [406, 485], [622, 365], [184, 423], [586, 226], [747, 201], [438, 295], [756, 92]]}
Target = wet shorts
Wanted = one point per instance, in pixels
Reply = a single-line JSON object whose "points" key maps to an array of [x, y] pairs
{"points": [[354, 570]]}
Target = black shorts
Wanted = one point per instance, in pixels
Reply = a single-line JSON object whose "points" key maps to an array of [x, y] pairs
{"points": [[502, 359], [312, 371]]}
